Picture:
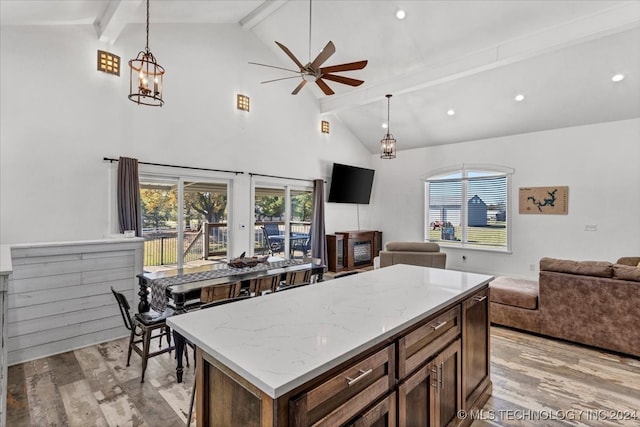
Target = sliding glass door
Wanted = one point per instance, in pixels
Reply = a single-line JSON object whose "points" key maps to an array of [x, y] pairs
{"points": [[282, 220], [184, 222]]}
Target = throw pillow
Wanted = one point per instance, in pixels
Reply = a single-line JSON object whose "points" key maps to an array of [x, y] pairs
{"points": [[638, 264]]}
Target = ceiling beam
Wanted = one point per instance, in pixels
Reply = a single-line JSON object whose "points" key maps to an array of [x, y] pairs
{"points": [[616, 19], [116, 16], [261, 13]]}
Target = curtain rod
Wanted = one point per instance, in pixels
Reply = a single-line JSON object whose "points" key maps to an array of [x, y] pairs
{"points": [[176, 166], [282, 177]]}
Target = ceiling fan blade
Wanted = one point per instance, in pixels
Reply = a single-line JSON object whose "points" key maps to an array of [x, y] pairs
{"points": [[359, 65], [300, 86], [328, 50], [326, 89], [273, 66], [282, 78], [343, 80], [290, 55]]}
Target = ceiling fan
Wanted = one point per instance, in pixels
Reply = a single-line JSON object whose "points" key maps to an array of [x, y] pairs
{"points": [[313, 71]]}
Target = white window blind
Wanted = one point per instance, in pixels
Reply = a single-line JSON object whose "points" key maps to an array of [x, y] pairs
{"points": [[468, 208]]}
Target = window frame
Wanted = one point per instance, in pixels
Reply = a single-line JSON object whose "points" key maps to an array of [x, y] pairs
{"points": [[288, 186], [167, 174], [464, 170]]}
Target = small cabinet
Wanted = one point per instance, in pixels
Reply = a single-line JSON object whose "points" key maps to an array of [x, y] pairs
{"points": [[345, 395], [335, 252], [432, 395], [475, 347]]}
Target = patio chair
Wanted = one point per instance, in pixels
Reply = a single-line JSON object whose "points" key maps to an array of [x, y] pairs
{"points": [[270, 230]]}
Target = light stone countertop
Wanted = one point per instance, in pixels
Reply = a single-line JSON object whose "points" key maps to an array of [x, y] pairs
{"points": [[280, 341]]}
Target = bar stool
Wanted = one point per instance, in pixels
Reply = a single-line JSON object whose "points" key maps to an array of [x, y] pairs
{"points": [[142, 326]]}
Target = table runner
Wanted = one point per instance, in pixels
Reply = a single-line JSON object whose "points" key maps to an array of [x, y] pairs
{"points": [[159, 286]]}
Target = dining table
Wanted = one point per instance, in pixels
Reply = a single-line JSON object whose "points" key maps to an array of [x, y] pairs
{"points": [[177, 288]]}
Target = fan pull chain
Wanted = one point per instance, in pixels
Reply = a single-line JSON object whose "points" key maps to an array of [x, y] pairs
{"points": [[310, 31]]}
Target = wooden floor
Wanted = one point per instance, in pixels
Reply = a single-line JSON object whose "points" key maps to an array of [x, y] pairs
{"points": [[532, 377]]}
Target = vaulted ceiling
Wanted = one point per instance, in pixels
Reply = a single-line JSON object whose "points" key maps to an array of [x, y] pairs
{"points": [[472, 57]]}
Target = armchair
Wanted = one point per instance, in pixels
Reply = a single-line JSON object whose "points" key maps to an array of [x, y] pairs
{"points": [[414, 253]]}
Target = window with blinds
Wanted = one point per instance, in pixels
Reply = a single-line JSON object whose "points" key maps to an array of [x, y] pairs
{"points": [[468, 208]]}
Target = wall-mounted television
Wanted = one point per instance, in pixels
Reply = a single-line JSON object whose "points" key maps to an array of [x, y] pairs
{"points": [[350, 184]]}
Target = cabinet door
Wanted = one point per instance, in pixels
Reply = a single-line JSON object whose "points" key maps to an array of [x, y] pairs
{"points": [[416, 398], [475, 345], [383, 414], [432, 395], [449, 390]]}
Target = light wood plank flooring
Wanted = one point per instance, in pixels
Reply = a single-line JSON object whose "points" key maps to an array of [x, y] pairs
{"points": [[93, 387]]}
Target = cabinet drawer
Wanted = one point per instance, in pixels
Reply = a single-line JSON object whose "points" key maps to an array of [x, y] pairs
{"points": [[421, 344], [346, 394], [382, 414]]}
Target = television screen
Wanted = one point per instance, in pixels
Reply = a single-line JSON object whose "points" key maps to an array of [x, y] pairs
{"points": [[350, 184]]}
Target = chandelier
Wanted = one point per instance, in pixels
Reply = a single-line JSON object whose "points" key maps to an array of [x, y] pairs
{"points": [[145, 76], [388, 142]]}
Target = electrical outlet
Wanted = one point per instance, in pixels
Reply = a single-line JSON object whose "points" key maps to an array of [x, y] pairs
{"points": [[532, 267], [591, 227]]}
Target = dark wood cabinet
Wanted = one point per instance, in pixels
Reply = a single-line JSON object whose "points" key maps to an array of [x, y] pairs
{"points": [[348, 250], [475, 344], [421, 377], [432, 395]]}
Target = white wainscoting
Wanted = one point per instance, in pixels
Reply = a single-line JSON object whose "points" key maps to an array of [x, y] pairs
{"points": [[5, 274], [60, 294]]}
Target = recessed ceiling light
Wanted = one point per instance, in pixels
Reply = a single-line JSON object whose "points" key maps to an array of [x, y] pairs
{"points": [[451, 112], [401, 14], [384, 126], [617, 78], [519, 97]]}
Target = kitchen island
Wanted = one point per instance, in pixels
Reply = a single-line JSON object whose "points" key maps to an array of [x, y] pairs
{"points": [[403, 344]]}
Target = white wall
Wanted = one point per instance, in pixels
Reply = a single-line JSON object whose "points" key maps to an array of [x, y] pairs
{"points": [[600, 164], [60, 117]]}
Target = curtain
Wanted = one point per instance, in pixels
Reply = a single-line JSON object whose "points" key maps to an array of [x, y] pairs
{"points": [[129, 212], [318, 234]]}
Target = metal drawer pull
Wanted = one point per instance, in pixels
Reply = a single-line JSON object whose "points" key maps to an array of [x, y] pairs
{"points": [[352, 381], [439, 325], [482, 298]]}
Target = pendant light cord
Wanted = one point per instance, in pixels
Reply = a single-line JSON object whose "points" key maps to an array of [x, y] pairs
{"points": [[388, 109], [147, 47], [310, 31]]}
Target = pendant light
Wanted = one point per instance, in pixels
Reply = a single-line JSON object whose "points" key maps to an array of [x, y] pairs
{"points": [[388, 143], [145, 76]]}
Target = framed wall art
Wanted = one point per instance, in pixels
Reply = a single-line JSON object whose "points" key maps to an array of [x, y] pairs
{"points": [[544, 200]]}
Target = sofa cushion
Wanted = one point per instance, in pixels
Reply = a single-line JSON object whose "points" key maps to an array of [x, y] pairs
{"points": [[514, 292], [585, 268], [412, 246], [625, 272]]}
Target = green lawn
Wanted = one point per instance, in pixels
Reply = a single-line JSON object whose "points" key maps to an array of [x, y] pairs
{"points": [[492, 235]]}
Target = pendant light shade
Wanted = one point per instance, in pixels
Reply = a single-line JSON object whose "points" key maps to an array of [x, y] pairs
{"points": [[388, 142], [146, 76]]}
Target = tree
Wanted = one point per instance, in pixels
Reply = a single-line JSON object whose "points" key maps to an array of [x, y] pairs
{"points": [[211, 206], [302, 206], [158, 206], [269, 206]]}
